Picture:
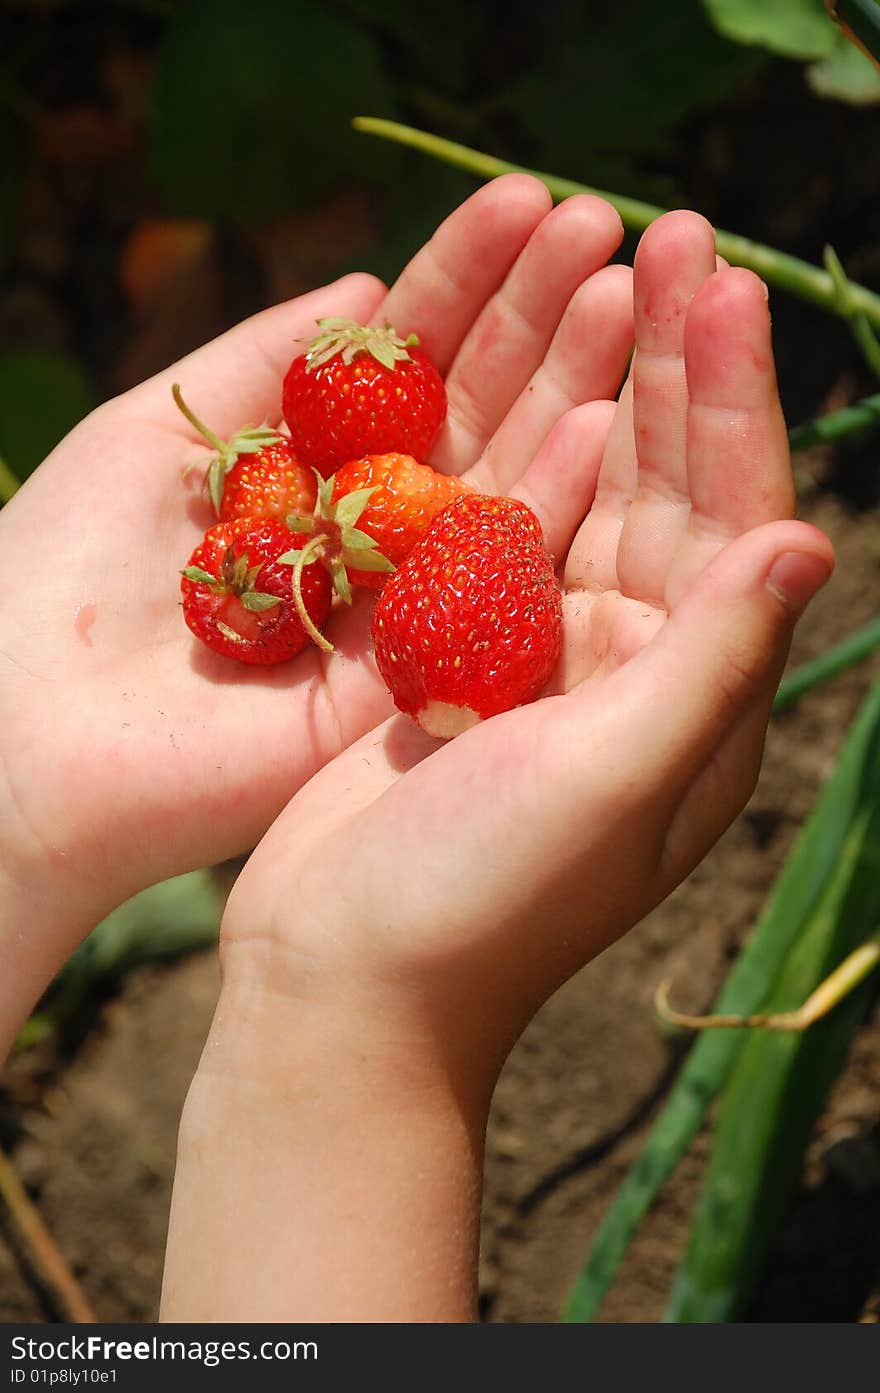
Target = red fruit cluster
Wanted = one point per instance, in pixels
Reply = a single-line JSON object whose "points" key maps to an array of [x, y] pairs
{"points": [[469, 619], [353, 394]]}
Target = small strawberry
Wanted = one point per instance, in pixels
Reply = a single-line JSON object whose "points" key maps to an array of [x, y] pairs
{"points": [[255, 474], [471, 623], [370, 515], [358, 391], [238, 595]]}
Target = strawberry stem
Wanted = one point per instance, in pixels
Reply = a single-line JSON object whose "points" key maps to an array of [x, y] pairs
{"points": [[306, 554], [213, 439]]}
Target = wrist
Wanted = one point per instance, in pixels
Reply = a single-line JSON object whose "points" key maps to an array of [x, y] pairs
{"points": [[48, 904], [324, 1172], [281, 1013]]}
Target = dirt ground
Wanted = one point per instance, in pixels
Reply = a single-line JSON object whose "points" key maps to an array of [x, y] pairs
{"points": [[92, 1129]]}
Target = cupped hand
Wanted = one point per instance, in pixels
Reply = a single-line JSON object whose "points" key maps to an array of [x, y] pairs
{"points": [[445, 891], [130, 754]]}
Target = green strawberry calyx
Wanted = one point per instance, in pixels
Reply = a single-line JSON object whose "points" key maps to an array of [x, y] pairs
{"points": [[347, 338], [336, 538], [245, 442], [237, 578]]}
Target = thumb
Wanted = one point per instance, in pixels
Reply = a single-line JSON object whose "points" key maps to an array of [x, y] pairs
{"points": [[724, 646]]}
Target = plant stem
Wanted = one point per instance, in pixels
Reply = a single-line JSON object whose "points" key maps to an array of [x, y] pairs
{"points": [[863, 416], [778, 268], [858, 322], [212, 438], [41, 1250], [9, 483], [829, 993], [847, 653]]}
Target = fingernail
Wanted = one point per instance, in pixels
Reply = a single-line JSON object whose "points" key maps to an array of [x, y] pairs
{"points": [[795, 576]]}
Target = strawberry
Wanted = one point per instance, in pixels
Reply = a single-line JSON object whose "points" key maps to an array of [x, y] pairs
{"points": [[255, 474], [471, 623], [382, 505], [238, 595], [358, 391]]}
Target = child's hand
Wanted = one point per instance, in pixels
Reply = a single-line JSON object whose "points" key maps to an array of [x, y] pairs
{"points": [[415, 904], [455, 887], [130, 754]]}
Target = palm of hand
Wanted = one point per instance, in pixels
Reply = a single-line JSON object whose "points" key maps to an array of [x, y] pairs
{"points": [[185, 758], [580, 812]]}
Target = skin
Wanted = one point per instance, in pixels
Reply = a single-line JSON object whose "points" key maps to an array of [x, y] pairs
{"points": [[413, 904], [416, 903], [130, 753]]}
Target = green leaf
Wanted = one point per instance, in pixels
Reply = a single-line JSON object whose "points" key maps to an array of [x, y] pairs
{"points": [[795, 898], [203, 577], [42, 397], [253, 104], [846, 74], [351, 505], [795, 28], [777, 1091], [383, 353], [373, 561], [258, 602], [355, 540]]}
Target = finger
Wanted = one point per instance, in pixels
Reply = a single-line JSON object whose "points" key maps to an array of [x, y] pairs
{"points": [[585, 362], [719, 652], [510, 337], [560, 482], [443, 289], [675, 256], [739, 467], [592, 561], [236, 380]]}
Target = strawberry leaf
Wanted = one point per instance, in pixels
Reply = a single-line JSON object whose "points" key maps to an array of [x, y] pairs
{"points": [[202, 577], [373, 561], [383, 353], [216, 482], [351, 505], [355, 540], [257, 602]]}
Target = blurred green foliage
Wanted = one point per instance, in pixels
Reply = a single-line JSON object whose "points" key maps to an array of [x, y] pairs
{"points": [[42, 397], [801, 29]]}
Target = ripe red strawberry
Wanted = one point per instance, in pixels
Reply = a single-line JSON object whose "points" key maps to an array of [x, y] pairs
{"points": [[255, 474], [358, 391], [369, 516], [238, 594], [405, 497], [471, 623]]}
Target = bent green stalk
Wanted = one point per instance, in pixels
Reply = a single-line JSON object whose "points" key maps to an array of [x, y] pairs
{"points": [[776, 1092], [800, 887], [777, 268]]}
